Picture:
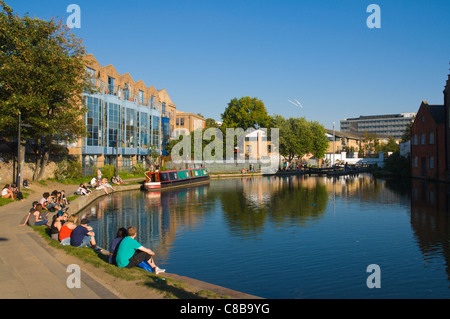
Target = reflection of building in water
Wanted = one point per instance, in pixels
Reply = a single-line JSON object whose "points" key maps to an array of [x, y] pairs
{"points": [[430, 219]]}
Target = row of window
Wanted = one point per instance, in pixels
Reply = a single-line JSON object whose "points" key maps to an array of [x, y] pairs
{"points": [[423, 139], [180, 121], [429, 163], [113, 125]]}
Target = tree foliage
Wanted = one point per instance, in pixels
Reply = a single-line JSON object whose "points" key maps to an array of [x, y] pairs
{"points": [[246, 113], [298, 137], [42, 77]]}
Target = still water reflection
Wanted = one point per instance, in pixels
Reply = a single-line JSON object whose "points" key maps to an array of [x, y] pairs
{"points": [[294, 237]]}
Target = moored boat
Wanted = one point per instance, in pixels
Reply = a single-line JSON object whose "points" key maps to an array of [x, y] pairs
{"points": [[164, 179]]}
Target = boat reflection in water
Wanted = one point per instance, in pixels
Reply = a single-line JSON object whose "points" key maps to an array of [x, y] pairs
{"points": [[293, 236]]}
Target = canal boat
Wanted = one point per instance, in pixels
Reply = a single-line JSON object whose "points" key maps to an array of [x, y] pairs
{"points": [[166, 179]]}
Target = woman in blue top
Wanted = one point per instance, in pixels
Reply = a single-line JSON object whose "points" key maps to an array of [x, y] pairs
{"points": [[131, 253]]}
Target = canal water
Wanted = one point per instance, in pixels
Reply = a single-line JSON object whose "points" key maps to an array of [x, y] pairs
{"points": [[294, 237]]}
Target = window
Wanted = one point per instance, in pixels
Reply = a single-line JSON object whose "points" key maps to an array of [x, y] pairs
{"points": [[415, 139], [182, 121], [110, 85], [431, 162], [422, 139], [178, 121], [94, 121], [141, 96], [173, 176], [431, 137], [415, 161], [163, 108]]}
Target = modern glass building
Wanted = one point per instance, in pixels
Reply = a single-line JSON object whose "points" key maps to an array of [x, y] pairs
{"points": [[119, 131], [124, 120], [390, 124]]}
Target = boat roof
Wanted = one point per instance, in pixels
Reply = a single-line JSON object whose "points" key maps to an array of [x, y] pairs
{"points": [[178, 170]]}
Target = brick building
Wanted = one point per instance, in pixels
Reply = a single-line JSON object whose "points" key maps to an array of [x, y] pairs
{"points": [[428, 143], [430, 140]]}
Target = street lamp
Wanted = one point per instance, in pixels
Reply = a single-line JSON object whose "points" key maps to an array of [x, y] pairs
{"points": [[19, 160], [334, 138]]}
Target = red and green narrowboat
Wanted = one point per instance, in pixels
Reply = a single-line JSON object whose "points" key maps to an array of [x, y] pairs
{"points": [[164, 179]]}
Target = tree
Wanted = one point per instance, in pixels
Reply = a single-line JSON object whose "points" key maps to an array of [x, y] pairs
{"points": [[298, 137], [42, 77], [245, 113], [390, 146], [407, 134], [370, 142], [319, 141]]}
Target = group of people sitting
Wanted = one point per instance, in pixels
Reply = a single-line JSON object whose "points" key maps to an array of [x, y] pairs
{"points": [[11, 191], [99, 183], [125, 250], [55, 201]]}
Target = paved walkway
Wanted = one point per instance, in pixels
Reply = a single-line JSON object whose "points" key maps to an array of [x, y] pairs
{"points": [[27, 267]]}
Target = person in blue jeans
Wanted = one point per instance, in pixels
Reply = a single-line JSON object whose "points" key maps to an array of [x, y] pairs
{"points": [[83, 236]]}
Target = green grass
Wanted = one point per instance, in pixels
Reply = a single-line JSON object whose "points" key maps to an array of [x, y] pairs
{"points": [[171, 289], [5, 201]]}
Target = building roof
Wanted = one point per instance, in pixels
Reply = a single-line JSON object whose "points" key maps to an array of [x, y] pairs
{"points": [[385, 116], [354, 135], [437, 112]]}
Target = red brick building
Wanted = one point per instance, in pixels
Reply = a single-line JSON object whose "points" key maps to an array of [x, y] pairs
{"points": [[429, 140]]}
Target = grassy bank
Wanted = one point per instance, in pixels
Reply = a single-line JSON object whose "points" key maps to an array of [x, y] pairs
{"points": [[171, 289]]}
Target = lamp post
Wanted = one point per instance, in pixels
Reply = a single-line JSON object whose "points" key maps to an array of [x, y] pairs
{"points": [[19, 158], [334, 138]]}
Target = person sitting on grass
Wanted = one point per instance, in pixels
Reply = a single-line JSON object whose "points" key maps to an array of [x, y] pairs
{"points": [[34, 217], [55, 227], [131, 253], [114, 180], [7, 193], [64, 199], [51, 206], [17, 194], [119, 180], [103, 184], [121, 234], [82, 236], [81, 190], [66, 230]]}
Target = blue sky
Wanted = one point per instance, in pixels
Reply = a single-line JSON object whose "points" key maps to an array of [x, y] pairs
{"points": [[321, 52]]}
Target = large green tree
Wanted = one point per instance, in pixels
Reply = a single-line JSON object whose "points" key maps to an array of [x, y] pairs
{"points": [[298, 137], [246, 113], [42, 78]]}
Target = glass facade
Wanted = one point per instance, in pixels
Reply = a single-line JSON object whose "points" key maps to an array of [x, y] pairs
{"points": [[113, 124], [94, 121], [119, 127]]}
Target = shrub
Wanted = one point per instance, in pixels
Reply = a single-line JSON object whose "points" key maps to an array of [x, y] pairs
{"points": [[397, 165], [108, 171], [68, 169], [138, 169]]}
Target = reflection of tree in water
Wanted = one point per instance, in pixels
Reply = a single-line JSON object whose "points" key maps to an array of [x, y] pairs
{"points": [[283, 201]]}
